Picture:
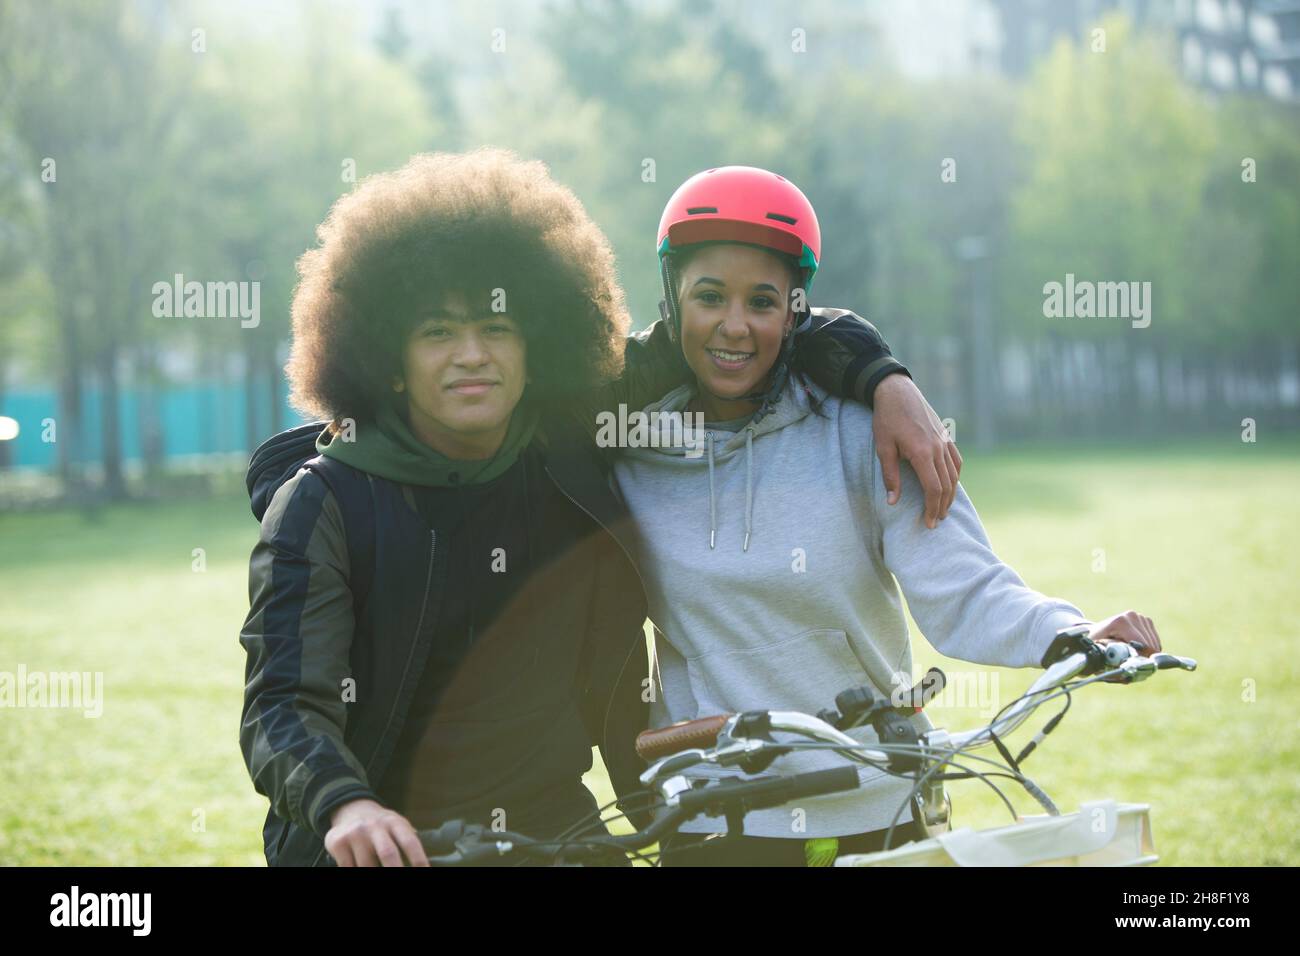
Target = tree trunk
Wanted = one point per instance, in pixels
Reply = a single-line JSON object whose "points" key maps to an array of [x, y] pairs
{"points": [[1043, 401], [1162, 401], [252, 428], [111, 422], [273, 390], [67, 426], [152, 440], [1054, 377], [976, 362], [6, 447], [1139, 413]]}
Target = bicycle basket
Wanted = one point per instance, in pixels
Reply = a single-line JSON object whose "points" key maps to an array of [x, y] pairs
{"points": [[1101, 833]]}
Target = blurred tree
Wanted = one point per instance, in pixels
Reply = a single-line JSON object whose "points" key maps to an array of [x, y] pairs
{"points": [[216, 159], [393, 41], [23, 296], [166, 157], [1118, 160], [902, 172], [299, 120], [1252, 223], [625, 103], [91, 107]]}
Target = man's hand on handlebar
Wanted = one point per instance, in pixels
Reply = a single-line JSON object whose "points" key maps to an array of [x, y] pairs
{"points": [[366, 833]]}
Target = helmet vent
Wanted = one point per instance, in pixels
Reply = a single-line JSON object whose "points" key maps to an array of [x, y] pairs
{"points": [[696, 210], [780, 218]]}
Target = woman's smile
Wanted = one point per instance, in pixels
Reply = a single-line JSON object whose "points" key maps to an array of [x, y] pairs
{"points": [[730, 361]]}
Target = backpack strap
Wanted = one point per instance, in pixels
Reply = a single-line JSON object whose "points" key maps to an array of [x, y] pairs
{"points": [[280, 457], [352, 490]]}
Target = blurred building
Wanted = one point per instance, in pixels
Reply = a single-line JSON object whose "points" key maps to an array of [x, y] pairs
{"points": [[1228, 45], [1251, 45], [1031, 27]]}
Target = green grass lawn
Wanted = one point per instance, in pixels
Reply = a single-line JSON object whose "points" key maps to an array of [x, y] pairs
{"points": [[1200, 538]]}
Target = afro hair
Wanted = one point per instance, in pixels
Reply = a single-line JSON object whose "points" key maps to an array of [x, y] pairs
{"points": [[479, 224]]}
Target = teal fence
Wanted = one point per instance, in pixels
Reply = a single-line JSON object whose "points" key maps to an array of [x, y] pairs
{"points": [[196, 420]]}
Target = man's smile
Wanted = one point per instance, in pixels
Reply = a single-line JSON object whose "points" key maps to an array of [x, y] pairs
{"points": [[472, 386]]}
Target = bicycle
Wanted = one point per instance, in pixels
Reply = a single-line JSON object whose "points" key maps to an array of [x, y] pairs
{"points": [[930, 759]]}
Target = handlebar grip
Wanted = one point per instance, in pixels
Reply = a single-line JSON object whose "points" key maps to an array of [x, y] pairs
{"points": [[818, 782], [441, 840], [662, 741], [772, 792]]}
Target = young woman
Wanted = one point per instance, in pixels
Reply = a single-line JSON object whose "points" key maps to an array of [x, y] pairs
{"points": [[770, 559]]}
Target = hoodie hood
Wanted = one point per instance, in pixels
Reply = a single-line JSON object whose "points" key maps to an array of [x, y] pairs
{"points": [[386, 449], [794, 405], [277, 460], [389, 449]]}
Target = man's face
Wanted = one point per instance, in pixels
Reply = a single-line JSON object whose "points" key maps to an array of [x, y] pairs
{"points": [[463, 372], [734, 309]]}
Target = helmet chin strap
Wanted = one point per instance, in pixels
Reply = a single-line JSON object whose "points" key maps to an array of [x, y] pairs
{"points": [[768, 397], [669, 309]]}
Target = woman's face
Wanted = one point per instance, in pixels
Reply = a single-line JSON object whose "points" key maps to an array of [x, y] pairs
{"points": [[735, 312]]}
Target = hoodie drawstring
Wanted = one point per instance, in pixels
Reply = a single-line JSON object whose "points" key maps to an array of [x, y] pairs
{"points": [[749, 483], [713, 508], [749, 489]]}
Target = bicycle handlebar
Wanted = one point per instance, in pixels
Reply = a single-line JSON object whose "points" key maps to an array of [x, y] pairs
{"points": [[457, 843], [1116, 661], [735, 738]]}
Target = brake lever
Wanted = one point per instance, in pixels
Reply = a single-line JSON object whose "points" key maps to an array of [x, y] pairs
{"points": [[1128, 658], [673, 763], [1137, 669], [746, 741], [1117, 652], [1166, 661]]}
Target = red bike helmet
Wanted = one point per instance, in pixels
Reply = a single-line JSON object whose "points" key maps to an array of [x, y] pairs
{"points": [[739, 204]]}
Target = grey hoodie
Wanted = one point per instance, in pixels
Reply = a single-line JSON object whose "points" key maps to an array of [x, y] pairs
{"points": [[770, 562]]}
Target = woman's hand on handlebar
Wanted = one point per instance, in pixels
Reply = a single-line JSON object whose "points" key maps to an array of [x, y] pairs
{"points": [[1129, 627], [366, 833]]}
